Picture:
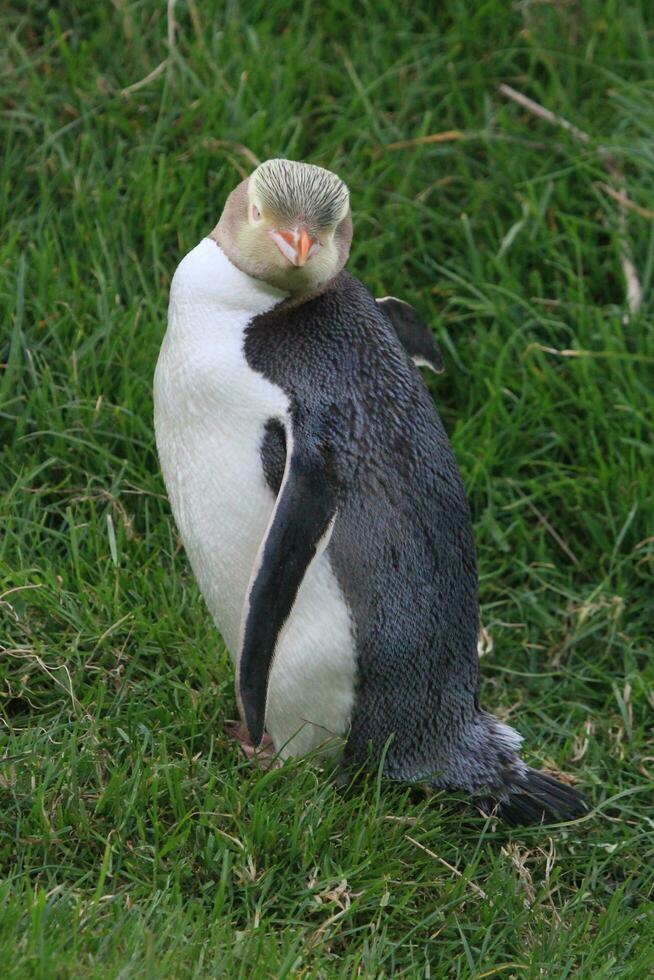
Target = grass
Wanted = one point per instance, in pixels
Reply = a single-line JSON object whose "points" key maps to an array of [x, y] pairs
{"points": [[134, 842]]}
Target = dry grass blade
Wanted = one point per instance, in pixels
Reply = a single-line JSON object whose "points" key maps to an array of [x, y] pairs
{"points": [[171, 27], [539, 110], [448, 136], [450, 867], [634, 288], [624, 201]]}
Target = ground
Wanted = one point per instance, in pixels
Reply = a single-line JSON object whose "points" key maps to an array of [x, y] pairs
{"points": [[134, 840]]}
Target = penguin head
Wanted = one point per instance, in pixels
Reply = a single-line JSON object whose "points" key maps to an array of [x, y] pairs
{"points": [[288, 224]]}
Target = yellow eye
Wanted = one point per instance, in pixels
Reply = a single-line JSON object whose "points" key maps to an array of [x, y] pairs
{"points": [[256, 213]]}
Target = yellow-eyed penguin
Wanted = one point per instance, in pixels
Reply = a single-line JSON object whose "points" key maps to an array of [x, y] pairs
{"points": [[320, 504]]}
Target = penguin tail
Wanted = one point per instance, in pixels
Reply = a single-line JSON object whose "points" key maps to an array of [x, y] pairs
{"points": [[537, 798]]}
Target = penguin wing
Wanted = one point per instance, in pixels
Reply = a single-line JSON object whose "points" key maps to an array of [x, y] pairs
{"points": [[413, 332], [299, 529]]}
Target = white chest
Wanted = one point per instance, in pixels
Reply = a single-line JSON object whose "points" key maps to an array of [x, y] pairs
{"points": [[210, 412]]}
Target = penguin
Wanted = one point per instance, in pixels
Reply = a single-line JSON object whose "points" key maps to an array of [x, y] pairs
{"points": [[320, 504]]}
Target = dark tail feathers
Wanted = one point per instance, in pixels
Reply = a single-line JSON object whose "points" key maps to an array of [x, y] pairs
{"points": [[539, 799]]}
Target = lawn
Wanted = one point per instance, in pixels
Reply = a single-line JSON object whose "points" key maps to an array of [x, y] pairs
{"points": [[134, 841]]}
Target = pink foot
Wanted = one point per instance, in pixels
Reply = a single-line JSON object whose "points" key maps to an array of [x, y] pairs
{"points": [[264, 756]]}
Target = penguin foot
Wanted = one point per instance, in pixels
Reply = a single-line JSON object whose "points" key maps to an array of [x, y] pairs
{"points": [[539, 799], [264, 756]]}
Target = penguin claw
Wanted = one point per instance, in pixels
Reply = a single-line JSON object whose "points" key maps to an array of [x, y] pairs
{"points": [[264, 756]]}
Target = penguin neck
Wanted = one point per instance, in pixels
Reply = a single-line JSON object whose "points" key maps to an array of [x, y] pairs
{"points": [[207, 284], [293, 300]]}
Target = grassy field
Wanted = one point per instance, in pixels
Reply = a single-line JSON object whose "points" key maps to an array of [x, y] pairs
{"points": [[134, 842]]}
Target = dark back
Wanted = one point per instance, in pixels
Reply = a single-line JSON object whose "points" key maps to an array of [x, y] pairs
{"points": [[402, 546]]}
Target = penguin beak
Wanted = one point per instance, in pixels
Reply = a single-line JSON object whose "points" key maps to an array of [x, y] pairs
{"points": [[295, 244]]}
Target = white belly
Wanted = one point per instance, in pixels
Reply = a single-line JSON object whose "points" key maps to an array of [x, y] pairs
{"points": [[210, 413]]}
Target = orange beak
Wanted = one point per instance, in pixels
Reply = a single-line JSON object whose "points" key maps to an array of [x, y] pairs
{"points": [[296, 245], [304, 244]]}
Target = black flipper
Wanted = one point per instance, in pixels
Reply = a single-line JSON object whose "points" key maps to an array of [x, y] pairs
{"points": [[303, 515], [413, 332], [540, 799]]}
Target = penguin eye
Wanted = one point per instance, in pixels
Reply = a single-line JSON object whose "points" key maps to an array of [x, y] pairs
{"points": [[256, 213]]}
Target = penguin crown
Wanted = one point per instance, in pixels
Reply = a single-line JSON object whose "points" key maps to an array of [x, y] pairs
{"points": [[302, 191]]}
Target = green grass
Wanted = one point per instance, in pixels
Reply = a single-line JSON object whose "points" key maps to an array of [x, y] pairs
{"points": [[134, 842]]}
